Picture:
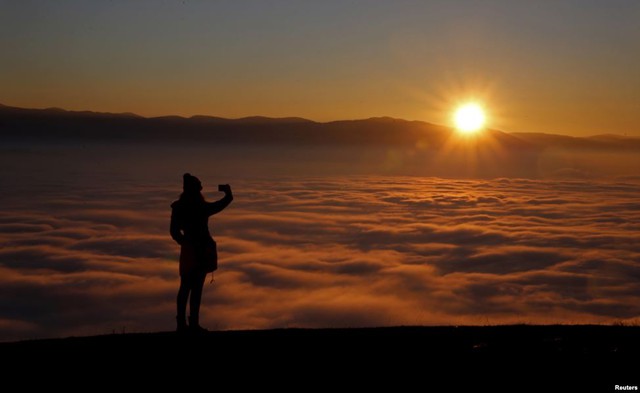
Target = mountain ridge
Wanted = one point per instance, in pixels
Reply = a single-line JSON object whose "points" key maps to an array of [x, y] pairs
{"points": [[56, 124]]}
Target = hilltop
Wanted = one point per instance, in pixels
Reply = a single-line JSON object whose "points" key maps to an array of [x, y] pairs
{"points": [[547, 356]]}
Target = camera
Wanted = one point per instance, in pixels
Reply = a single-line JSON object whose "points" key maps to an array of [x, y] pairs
{"points": [[223, 187]]}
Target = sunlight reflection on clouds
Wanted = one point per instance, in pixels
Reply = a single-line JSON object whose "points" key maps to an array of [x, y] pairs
{"points": [[317, 252]]}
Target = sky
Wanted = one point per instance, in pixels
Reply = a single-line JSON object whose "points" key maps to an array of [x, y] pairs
{"points": [[476, 232], [567, 67]]}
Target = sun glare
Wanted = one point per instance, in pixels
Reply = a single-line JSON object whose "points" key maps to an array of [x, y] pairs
{"points": [[469, 118]]}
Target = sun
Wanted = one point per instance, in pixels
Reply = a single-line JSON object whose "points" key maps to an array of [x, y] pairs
{"points": [[469, 118]]}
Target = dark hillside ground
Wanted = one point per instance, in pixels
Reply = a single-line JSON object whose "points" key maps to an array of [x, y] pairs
{"points": [[579, 358]]}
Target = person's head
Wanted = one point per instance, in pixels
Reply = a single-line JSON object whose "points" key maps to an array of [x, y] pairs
{"points": [[191, 184], [191, 188]]}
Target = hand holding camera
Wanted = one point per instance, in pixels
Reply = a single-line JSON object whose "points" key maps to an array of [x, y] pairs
{"points": [[224, 188]]}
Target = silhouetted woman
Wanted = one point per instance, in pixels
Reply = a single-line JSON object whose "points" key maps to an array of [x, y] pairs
{"points": [[198, 254]]}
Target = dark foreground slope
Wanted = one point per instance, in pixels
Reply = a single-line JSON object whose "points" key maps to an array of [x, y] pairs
{"points": [[598, 357]]}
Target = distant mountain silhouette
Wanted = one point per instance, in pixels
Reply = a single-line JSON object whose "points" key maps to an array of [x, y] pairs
{"points": [[597, 142], [58, 125]]}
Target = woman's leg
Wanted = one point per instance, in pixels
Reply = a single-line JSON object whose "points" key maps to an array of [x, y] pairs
{"points": [[197, 282], [181, 302]]}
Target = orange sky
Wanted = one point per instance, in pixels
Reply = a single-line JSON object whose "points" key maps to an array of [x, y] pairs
{"points": [[567, 68]]}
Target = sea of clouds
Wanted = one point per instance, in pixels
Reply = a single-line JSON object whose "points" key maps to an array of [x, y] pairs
{"points": [[80, 256]]}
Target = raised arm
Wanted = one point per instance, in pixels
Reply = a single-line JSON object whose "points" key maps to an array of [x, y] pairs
{"points": [[218, 206], [174, 229]]}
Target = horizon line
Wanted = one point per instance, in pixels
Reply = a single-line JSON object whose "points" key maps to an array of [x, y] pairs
{"points": [[301, 119]]}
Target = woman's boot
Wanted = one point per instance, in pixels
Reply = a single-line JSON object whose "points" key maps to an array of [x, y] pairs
{"points": [[194, 325], [182, 324]]}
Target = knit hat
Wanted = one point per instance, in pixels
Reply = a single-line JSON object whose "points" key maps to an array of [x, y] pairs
{"points": [[191, 183]]}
